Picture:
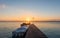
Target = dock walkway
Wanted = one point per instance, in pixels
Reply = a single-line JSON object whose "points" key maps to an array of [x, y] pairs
{"points": [[34, 32], [31, 32]]}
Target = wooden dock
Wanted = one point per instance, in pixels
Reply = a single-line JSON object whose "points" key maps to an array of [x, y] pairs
{"points": [[34, 32], [31, 32]]}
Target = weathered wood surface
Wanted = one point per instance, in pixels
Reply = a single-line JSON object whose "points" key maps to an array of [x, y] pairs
{"points": [[34, 32]]}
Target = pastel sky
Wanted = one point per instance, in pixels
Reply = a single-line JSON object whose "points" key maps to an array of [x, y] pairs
{"points": [[39, 9]]}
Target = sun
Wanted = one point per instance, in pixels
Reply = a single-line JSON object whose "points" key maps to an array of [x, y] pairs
{"points": [[28, 19]]}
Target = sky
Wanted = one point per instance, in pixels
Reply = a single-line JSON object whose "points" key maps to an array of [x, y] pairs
{"points": [[11, 10]]}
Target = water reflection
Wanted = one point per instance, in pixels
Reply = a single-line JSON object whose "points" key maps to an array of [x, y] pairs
{"points": [[51, 29]]}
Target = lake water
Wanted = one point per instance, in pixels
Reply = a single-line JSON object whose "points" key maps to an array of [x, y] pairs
{"points": [[51, 29]]}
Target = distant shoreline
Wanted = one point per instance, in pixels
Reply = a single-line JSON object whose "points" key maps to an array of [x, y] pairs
{"points": [[31, 21]]}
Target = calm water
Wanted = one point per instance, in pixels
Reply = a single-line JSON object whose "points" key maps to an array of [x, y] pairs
{"points": [[51, 29]]}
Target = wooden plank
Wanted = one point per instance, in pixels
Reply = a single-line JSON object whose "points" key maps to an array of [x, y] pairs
{"points": [[34, 32]]}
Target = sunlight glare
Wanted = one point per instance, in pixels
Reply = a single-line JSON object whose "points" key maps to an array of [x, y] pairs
{"points": [[28, 19]]}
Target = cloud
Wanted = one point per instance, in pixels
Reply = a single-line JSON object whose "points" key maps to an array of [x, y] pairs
{"points": [[2, 6]]}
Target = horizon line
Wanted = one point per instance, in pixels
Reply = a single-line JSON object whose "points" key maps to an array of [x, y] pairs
{"points": [[31, 21]]}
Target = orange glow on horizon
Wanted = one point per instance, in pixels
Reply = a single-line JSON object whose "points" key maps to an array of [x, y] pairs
{"points": [[28, 19]]}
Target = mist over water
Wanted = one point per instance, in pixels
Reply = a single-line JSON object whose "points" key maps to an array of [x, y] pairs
{"points": [[51, 29]]}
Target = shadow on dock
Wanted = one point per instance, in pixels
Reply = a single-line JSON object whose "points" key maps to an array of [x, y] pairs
{"points": [[31, 32]]}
